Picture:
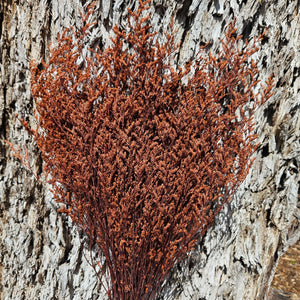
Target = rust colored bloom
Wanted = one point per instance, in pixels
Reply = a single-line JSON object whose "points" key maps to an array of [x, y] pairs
{"points": [[141, 161]]}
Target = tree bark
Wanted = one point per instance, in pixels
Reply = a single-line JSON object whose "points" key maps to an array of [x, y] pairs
{"points": [[41, 256]]}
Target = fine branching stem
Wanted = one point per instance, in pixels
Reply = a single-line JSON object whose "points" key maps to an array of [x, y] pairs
{"points": [[141, 161]]}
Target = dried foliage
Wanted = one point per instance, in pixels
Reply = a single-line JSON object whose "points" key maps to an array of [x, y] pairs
{"points": [[141, 161]]}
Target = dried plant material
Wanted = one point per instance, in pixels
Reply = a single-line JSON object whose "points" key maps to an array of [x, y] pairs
{"points": [[141, 161]]}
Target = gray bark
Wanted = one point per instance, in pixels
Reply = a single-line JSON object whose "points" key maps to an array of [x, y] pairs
{"points": [[41, 256]]}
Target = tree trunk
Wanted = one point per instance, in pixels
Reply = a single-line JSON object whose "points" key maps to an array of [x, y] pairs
{"points": [[41, 255]]}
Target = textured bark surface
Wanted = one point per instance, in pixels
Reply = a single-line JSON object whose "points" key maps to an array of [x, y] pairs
{"points": [[40, 252]]}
